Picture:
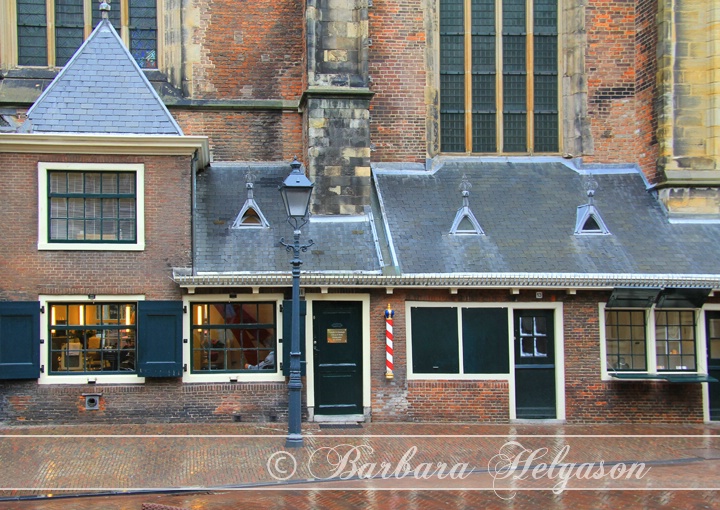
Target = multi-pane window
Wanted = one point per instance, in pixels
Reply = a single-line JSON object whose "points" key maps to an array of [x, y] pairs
{"points": [[92, 338], [533, 337], [233, 336], [630, 345], [50, 31], [625, 339], [675, 340], [92, 206], [498, 76]]}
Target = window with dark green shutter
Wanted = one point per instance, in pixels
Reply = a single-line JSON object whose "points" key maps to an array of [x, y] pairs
{"points": [[464, 341], [160, 338], [435, 340], [498, 76], [19, 340]]}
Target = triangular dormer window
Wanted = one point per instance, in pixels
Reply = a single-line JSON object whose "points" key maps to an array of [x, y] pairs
{"points": [[250, 215], [588, 220], [465, 222]]}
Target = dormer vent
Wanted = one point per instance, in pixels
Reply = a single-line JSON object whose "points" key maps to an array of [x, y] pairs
{"points": [[250, 215], [465, 222], [588, 220]]}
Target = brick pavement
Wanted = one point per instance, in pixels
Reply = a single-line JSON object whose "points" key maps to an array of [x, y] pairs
{"points": [[233, 465]]}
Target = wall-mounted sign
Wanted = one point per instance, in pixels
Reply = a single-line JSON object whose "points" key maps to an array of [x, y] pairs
{"points": [[337, 336]]}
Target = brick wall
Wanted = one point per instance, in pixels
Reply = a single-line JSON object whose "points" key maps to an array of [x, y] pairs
{"points": [[646, 41], [246, 135], [246, 50], [155, 401], [590, 400], [610, 67], [167, 235], [397, 69]]}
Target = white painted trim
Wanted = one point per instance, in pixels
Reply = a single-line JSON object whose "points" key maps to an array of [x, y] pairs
{"points": [[651, 346], [101, 143], [309, 323], [225, 377], [99, 377], [43, 227]]}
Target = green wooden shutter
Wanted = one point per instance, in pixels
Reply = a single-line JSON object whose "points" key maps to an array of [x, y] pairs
{"points": [[160, 338], [287, 336], [485, 341], [435, 340], [19, 340]]}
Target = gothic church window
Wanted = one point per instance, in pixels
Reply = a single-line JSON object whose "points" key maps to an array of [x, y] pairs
{"points": [[499, 76], [50, 31]]}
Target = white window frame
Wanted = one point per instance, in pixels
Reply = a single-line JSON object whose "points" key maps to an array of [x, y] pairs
{"points": [[651, 346], [43, 227], [224, 377], [85, 378]]}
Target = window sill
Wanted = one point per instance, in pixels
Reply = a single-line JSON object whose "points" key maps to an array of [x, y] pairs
{"points": [[92, 379], [91, 247], [239, 377], [672, 378]]}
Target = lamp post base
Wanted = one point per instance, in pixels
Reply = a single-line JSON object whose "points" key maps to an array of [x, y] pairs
{"points": [[294, 441]]}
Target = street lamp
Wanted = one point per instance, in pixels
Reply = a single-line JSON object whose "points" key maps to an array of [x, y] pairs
{"points": [[295, 191]]}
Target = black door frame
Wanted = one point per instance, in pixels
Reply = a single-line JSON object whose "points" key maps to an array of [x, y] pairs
{"points": [[311, 299]]}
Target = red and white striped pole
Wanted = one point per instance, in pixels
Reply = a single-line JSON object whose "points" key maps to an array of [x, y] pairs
{"points": [[389, 314]]}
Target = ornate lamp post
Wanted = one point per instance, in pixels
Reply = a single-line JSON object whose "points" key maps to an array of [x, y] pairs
{"points": [[295, 190]]}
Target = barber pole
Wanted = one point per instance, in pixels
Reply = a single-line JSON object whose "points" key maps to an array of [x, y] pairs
{"points": [[389, 314]]}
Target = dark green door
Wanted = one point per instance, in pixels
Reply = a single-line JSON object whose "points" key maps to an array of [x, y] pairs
{"points": [[534, 364], [337, 343], [713, 361]]}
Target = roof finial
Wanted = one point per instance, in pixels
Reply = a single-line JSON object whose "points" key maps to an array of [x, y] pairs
{"points": [[465, 186], [104, 9], [591, 186]]}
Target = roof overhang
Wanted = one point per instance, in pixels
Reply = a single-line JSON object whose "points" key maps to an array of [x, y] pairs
{"points": [[579, 281], [100, 143]]}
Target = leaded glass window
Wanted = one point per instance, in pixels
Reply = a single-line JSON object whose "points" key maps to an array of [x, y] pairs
{"points": [[73, 21], [498, 76]]}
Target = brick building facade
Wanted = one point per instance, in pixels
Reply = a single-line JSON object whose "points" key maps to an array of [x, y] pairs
{"points": [[390, 106]]}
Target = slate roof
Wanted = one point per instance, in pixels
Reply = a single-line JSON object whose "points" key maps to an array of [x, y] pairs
{"points": [[528, 213], [101, 90], [341, 244]]}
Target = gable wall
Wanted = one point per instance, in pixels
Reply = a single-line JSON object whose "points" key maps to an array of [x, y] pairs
{"points": [[167, 235]]}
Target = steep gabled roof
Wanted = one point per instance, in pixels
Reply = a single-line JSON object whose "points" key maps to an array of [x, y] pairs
{"points": [[101, 90]]}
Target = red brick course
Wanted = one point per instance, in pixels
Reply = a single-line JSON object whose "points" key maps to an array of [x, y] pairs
{"points": [[249, 50], [397, 69]]}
